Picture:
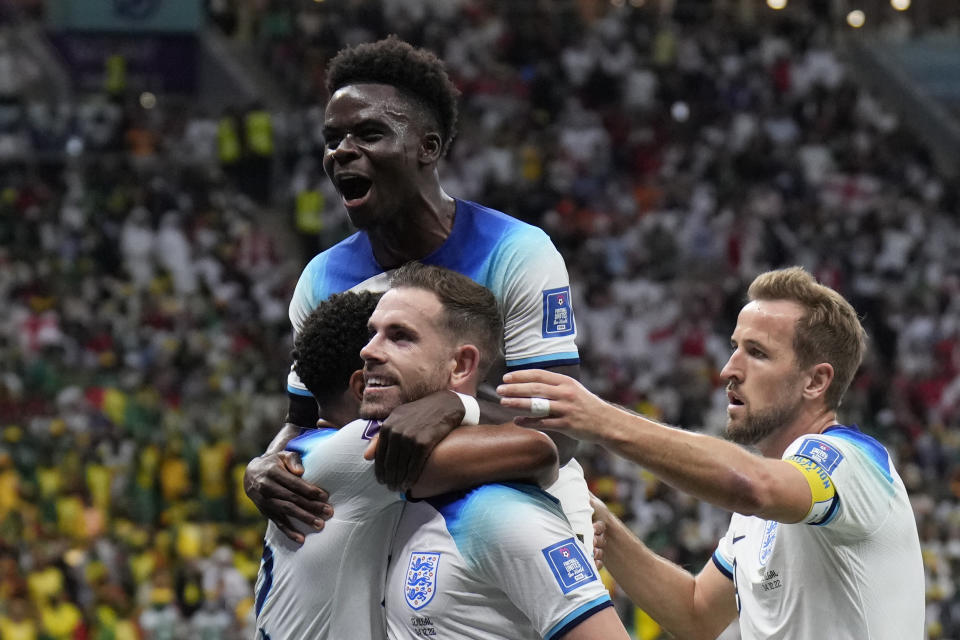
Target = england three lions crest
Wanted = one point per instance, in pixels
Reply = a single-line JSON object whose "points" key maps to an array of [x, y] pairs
{"points": [[769, 538], [421, 583]]}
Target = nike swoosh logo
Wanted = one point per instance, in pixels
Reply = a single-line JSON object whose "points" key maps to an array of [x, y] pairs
{"points": [[737, 539]]}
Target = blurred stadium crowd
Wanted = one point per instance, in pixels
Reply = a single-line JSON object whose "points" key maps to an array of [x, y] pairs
{"points": [[146, 263]]}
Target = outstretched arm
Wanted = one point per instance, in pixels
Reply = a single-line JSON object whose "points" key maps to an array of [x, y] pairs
{"points": [[685, 605], [708, 468]]}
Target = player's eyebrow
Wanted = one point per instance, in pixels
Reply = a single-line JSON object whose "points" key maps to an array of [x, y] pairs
{"points": [[334, 128], [393, 326], [403, 326], [748, 342], [365, 121]]}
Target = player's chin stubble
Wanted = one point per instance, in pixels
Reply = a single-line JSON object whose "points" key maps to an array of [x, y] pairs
{"points": [[374, 410], [757, 426]]}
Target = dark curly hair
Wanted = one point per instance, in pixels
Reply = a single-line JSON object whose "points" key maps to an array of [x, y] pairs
{"points": [[327, 349], [416, 72]]}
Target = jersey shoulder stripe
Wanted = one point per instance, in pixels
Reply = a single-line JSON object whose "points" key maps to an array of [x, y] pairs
{"points": [[577, 616], [551, 360], [721, 563]]}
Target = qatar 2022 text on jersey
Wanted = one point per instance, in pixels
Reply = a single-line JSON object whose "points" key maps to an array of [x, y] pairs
{"points": [[851, 570], [526, 274], [331, 586], [497, 562]]}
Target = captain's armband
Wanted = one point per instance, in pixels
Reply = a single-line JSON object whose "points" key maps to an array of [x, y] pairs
{"points": [[824, 498]]}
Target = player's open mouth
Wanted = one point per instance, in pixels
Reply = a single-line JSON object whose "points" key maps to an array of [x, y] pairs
{"points": [[373, 384], [353, 188], [734, 400]]}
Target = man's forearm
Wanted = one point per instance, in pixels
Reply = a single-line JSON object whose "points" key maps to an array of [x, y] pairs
{"points": [[493, 413], [687, 606], [487, 453], [662, 589], [716, 471]]}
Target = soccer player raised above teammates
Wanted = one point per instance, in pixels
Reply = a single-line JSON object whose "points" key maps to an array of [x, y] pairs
{"points": [[822, 541], [391, 117], [424, 340]]}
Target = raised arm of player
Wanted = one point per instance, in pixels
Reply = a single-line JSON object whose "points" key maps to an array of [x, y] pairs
{"points": [[714, 470], [687, 606]]}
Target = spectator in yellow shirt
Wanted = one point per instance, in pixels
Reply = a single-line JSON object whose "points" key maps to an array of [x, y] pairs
{"points": [[60, 618], [18, 625]]}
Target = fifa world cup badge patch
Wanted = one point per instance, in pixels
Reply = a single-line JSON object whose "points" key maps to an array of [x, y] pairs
{"points": [[820, 452], [557, 313], [568, 564], [421, 583]]}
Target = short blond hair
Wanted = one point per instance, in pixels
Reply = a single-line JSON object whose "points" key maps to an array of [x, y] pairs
{"points": [[828, 331]]}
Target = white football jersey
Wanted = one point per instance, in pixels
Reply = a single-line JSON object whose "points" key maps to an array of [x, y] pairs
{"points": [[496, 562], [515, 260], [851, 571], [331, 586]]}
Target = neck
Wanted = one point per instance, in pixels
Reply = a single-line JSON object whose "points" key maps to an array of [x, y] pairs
{"points": [[424, 225], [339, 414], [809, 422], [468, 388]]}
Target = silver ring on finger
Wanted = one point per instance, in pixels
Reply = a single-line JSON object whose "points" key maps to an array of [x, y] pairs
{"points": [[539, 407]]}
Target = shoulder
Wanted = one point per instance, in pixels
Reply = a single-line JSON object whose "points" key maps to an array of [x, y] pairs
{"points": [[309, 440], [840, 446], [492, 247], [497, 512], [339, 268], [354, 247], [312, 440], [497, 229]]}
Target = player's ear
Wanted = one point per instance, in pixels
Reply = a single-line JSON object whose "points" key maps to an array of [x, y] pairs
{"points": [[820, 377], [466, 363], [431, 147], [355, 387]]}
